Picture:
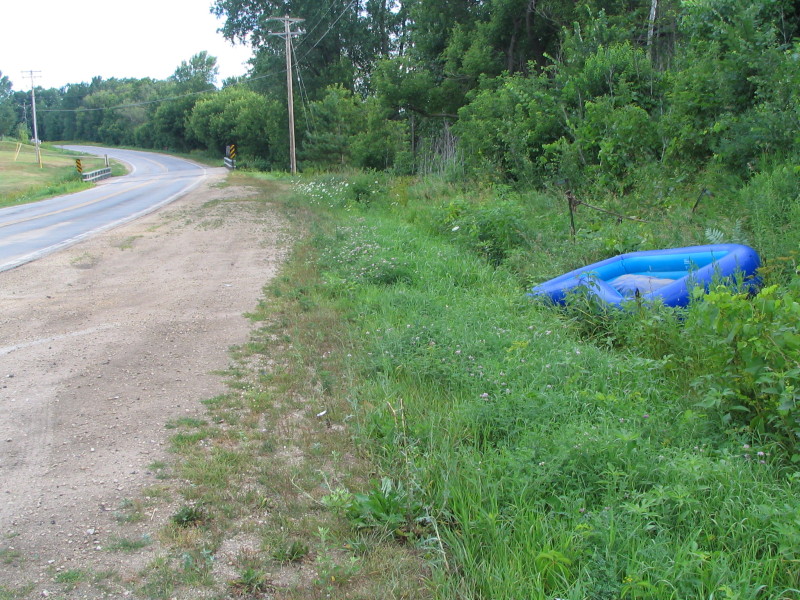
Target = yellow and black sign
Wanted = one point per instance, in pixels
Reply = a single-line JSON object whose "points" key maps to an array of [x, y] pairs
{"points": [[78, 165], [232, 151]]}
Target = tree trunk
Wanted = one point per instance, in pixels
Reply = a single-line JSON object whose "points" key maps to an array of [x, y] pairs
{"points": [[651, 28], [511, 48]]}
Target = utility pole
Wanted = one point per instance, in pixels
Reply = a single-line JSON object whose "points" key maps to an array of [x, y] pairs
{"points": [[33, 75], [287, 34]]}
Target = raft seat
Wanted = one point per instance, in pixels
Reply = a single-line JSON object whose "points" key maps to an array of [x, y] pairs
{"points": [[629, 284]]}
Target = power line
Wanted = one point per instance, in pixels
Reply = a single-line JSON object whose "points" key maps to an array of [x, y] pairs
{"points": [[304, 98], [330, 28], [318, 23]]}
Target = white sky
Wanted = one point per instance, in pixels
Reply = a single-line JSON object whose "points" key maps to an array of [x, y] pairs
{"points": [[71, 42]]}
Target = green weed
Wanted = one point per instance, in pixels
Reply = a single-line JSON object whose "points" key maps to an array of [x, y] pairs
{"points": [[130, 511], [189, 516], [186, 422], [120, 544], [10, 556], [71, 578], [9, 593], [751, 355], [251, 581], [293, 551], [332, 574], [388, 507]]}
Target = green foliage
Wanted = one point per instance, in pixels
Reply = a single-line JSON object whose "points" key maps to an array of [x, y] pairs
{"points": [[493, 230], [588, 111], [197, 74], [168, 127], [618, 139], [731, 64], [343, 43], [404, 84], [382, 143], [251, 580], [8, 117], [240, 116], [293, 551], [388, 507], [188, 516], [335, 120], [599, 93], [366, 188], [23, 134], [751, 360], [506, 126], [772, 199], [348, 131]]}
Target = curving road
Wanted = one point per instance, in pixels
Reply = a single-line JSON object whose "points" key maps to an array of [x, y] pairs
{"points": [[30, 231]]}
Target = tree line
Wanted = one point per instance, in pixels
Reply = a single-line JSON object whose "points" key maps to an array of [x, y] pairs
{"points": [[594, 92]]}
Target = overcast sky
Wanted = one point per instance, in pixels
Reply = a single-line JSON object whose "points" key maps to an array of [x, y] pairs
{"points": [[71, 42]]}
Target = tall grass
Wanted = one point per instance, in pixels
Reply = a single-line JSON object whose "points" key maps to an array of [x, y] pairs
{"points": [[556, 454]]}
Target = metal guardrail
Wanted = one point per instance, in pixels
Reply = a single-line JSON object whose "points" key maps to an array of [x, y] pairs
{"points": [[230, 163], [98, 174]]}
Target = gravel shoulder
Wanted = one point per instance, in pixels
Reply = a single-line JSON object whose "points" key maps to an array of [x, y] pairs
{"points": [[101, 345]]}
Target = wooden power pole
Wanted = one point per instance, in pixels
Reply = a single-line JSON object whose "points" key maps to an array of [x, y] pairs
{"points": [[288, 34], [33, 75]]}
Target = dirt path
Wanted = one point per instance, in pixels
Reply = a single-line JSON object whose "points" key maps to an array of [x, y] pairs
{"points": [[100, 346]]}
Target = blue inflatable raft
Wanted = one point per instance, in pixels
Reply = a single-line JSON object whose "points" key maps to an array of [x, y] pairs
{"points": [[668, 275]]}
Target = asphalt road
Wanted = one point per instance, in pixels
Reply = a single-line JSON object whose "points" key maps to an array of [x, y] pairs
{"points": [[30, 231]]}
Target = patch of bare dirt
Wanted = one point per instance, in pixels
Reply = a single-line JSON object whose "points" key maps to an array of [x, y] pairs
{"points": [[101, 345]]}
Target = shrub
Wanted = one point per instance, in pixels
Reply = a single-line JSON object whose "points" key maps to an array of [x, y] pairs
{"points": [[492, 230], [751, 354]]}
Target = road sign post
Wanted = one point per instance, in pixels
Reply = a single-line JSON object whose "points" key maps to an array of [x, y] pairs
{"points": [[230, 156], [78, 165]]}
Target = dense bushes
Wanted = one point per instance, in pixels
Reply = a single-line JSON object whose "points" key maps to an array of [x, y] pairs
{"points": [[242, 115], [585, 118], [599, 115], [750, 356]]}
